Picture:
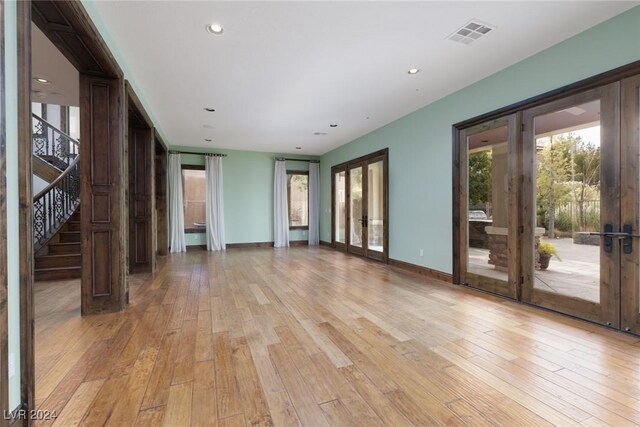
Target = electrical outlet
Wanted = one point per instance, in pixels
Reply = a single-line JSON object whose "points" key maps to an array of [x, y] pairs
{"points": [[12, 365], [421, 252]]}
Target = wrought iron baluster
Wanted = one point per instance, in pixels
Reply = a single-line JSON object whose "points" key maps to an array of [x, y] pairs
{"points": [[53, 206]]}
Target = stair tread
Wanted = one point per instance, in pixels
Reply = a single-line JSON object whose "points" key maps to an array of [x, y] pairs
{"points": [[57, 268], [57, 255]]}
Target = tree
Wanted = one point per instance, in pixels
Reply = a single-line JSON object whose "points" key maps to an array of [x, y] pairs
{"points": [[553, 171], [587, 165], [480, 178]]}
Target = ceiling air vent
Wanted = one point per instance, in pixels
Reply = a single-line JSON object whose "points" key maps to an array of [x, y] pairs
{"points": [[471, 32]]}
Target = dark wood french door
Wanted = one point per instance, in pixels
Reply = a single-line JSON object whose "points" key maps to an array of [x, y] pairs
{"points": [[630, 204], [488, 239], [359, 194], [571, 205], [548, 210]]}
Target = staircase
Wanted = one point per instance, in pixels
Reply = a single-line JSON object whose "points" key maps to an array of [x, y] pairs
{"points": [[56, 212], [61, 258]]}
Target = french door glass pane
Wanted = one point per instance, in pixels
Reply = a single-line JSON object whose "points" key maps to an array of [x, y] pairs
{"points": [[340, 210], [568, 202], [375, 196], [488, 194], [355, 208]]}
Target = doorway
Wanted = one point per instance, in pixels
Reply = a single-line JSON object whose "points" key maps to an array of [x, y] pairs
{"points": [[549, 205], [360, 206]]}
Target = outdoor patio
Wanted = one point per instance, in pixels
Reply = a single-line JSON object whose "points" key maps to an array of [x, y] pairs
{"points": [[578, 274]]}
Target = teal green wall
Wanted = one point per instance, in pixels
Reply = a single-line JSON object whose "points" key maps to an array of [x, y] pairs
{"points": [[420, 144], [248, 194], [13, 249], [113, 48]]}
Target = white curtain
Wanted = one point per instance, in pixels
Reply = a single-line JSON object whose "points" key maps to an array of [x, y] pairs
{"points": [[314, 204], [176, 208], [280, 206], [214, 204]]}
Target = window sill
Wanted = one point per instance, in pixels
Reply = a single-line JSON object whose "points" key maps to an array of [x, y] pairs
{"points": [[299, 227], [195, 230]]}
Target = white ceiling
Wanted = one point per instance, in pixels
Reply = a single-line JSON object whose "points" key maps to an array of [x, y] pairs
{"points": [[47, 62], [284, 70]]}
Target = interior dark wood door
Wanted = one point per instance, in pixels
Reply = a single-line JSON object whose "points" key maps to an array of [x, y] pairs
{"points": [[571, 161], [630, 204], [488, 206], [141, 200], [160, 177], [102, 194]]}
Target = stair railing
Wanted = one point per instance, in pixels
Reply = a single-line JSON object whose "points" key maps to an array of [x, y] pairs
{"points": [[52, 144], [54, 205]]}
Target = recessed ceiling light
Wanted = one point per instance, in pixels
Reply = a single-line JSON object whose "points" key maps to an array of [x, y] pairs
{"points": [[208, 140], [215, 29], [211, 110], [319, 133], [298, 148], [41, 80], [414, 71], [333, 126]]}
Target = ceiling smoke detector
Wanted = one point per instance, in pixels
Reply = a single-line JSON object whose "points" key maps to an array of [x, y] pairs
{"points": [[470, 32]]}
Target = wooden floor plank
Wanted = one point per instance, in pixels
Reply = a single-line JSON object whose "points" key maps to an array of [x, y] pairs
{"points": [[310, 336]]}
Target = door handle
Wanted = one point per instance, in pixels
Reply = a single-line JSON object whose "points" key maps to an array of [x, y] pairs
{"points": [[627, 245], [625, 236], [608, 237]]}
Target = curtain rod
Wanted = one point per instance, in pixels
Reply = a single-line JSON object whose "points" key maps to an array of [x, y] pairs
{"points": [[198, 154], [298, 160]]}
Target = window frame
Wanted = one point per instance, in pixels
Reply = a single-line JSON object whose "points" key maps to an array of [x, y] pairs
{"points": [[297, 172], [192, 230]]}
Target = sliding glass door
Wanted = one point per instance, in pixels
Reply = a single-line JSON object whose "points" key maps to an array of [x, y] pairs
{"points": [[359, 195]]}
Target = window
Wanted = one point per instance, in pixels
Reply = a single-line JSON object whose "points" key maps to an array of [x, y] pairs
{"points": [[298, 199], [194, 190]]}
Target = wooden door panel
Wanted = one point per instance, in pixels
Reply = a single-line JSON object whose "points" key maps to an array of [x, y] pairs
{"points": [[141, 200], [630, 202], [101, 189], [160, 178]]}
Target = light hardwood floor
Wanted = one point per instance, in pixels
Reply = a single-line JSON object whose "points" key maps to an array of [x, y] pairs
{"points": [[315, 337]]}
